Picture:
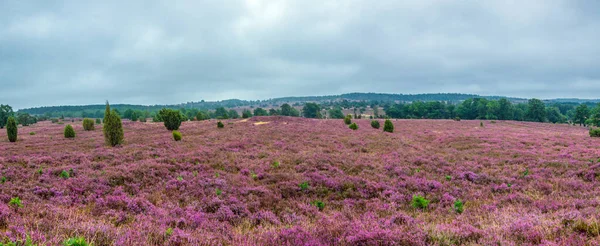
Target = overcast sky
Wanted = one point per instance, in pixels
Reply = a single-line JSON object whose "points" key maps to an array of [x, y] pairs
{"points": [[166, 52]]}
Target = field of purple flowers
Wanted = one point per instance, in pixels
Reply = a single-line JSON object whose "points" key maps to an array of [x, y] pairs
{"points": [[294, 181]]}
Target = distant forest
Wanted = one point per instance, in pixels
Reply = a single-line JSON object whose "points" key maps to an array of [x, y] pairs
{"points": [[378, 105]]}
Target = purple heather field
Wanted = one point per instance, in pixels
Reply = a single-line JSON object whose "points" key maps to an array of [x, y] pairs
{"points": [[296, 181]]}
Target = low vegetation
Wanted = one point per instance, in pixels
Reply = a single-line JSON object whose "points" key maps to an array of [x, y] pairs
{"points": [[69, 132], [388, 126], [375, 124], [88, 124], [288, 182], [177, 135]]}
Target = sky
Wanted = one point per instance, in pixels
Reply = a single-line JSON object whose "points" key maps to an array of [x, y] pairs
{"points": [[169, 52]]}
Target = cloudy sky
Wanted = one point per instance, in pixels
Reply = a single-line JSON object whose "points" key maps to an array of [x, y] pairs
{"points": [[159, 52]]}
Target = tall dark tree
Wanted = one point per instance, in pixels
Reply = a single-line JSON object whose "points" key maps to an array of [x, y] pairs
{"points": [[336, 113], [505, 110], [113, 127], [536, 110], [260, 112], [221, 113], [311, 110], [582, 113], [202, 115], [287, 110], [553, 114], [11, 129], [246, 114], [5, 112], [595, 116], [233, 114]]}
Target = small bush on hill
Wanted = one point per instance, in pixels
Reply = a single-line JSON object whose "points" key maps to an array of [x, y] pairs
{"points": [[459, 206], [388, 126], [220, 124], [375, 124], [348, 119], [98, 121], [54, 120], [69, 132], [419, 202], [353, 126], [64, 174], [594, 132], [171, 118], [15, 202], [75, 241], [456, 118], [11, 129], [88, 124], [177, 135], [319, 204]]}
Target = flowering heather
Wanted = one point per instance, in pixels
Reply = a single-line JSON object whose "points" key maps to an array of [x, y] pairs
{"points": [[516, 183]]}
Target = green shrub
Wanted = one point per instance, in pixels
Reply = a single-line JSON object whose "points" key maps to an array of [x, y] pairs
{"points": [[448, 177], [388, 126], [171, 118], [353, 126], [319, 204], [419, 202], [220, 124], [88, 124], [375, 124], [458, 206], [591, 228], [69, 132], [75, 241], [32, 133], [275, 164], [456, 118], [113, 127], [218, 192], [177, 135], [481, 124], [303, 185], [594, 132], [98, 121], [169, 232], [54, 120], [64, 174], [15, 202], [348, 119], [11, 129]]}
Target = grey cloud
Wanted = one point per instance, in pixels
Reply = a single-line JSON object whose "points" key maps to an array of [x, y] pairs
{"points": [[154, 52]]}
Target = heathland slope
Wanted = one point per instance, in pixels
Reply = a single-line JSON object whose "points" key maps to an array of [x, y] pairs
{"points": [[295, 181]]}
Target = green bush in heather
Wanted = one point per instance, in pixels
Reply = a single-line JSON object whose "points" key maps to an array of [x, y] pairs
{"points": [[220, 124], [11, 129], [348, 119], [98, 121], [177, 135], [594, 132], [419, 202], [88, 124], [171, 118], [69, 132], [113, 127], [353, 126], [375, 124], [388, 126]]}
